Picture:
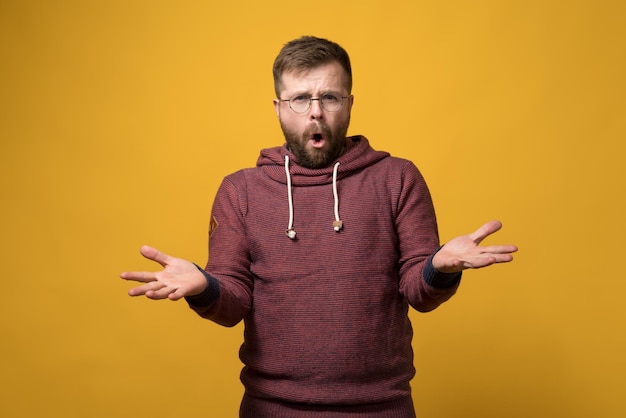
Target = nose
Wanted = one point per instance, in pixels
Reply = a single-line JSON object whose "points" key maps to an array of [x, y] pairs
{"points": [[316, 111]]}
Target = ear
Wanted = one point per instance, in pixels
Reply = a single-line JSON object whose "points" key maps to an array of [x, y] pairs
{"points": [[277, 107], [350, 101]]}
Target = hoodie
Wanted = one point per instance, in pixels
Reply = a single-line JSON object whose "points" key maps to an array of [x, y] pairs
{"points": [[325, 306]]}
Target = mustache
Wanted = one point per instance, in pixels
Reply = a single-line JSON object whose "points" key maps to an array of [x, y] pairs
{"points": [[317, 128]]}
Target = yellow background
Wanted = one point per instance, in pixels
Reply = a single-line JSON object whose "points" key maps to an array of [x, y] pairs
{"points": [[118, 120]]}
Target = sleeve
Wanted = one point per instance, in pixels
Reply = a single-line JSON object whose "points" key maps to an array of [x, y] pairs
{"points": [[418, 240], [228, 296], [210, 294]]}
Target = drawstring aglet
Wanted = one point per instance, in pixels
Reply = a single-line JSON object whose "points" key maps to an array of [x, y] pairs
{"points": [[337, 225]]}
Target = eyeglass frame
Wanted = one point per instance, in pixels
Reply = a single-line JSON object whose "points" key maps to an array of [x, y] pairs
{"points": [[311, 102]]}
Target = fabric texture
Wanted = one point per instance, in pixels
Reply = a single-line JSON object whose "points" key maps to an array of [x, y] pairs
{"points": [[326, 313], [255, 407]]}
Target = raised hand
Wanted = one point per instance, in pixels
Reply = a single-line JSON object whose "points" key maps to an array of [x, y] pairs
{"points": [[178, 278], [464, 252]]}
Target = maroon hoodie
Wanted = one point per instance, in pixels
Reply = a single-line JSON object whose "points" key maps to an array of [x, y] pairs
{"points": [[326, 312]]}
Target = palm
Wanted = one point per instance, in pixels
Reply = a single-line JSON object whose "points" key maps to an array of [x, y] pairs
{"points": [[464, 252], [178, 278]]}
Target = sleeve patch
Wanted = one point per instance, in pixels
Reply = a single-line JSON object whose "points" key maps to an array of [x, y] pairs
{"points": [[212, 226]]}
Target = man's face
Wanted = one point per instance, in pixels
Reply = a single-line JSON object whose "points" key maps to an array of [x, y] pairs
{"points": [[317, 136]]}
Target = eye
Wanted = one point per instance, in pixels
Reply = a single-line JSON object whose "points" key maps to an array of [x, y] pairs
{"points": [[300, 99], [330, 97]]}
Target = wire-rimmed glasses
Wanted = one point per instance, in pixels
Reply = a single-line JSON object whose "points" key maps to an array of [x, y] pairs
{"points": [[301, 103]]}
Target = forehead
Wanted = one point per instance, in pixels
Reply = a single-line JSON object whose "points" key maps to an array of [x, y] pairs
{"points": [[325, 77]]}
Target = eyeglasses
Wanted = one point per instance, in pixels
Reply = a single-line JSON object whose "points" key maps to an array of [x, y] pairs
{"points": [[301, 103]]}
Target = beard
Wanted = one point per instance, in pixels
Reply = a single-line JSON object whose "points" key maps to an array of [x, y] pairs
{"points": [[310, 157]]}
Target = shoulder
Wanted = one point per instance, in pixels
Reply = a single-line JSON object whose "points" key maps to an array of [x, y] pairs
{"points": [[242, 176], [400, 168]]}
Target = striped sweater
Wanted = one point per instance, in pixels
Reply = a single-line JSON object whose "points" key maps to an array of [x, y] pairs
{"points": [[326, 313]]}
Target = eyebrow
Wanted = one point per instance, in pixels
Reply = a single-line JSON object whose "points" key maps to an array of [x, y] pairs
{"points": [[306, 93]]}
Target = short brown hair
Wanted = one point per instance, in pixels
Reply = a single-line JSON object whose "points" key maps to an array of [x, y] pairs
{"points": [[306, 53]]}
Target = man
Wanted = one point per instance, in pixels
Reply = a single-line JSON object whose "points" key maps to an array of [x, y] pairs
{"points": [[321, 249]]}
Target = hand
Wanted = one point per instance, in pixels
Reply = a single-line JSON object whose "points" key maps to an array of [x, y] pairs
{"points": [[178, 278], [464, 252]]}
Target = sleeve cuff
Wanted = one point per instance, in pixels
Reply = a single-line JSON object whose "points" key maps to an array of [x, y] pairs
{"points": [[439, 280], [208, 296]]}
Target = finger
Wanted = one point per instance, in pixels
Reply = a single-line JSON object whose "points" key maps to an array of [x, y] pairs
{"points": [[488, 260], [499, 249], [139, 276], [162, 293], [155, 255], [503, 258], [146, 288], [500, 258], [177, 294], [484, 231]]}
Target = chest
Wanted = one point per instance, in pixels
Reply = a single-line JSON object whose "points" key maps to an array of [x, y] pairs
{"points": [[367, 241]]}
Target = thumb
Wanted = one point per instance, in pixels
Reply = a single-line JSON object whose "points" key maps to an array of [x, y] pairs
{"points": [[155, 255], [484, 231]]}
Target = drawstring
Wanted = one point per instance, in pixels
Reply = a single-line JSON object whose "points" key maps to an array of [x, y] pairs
{"points": [[291, 233], [337, 223]]}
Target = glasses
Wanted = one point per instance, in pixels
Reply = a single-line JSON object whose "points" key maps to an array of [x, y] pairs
{"points": [[301, 103]]}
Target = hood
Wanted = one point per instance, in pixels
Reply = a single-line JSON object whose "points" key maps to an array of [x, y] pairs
{"points": [[281, 165], [358, 155]]}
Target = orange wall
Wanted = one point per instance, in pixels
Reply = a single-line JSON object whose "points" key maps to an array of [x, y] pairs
{"points": [[119, 119]]}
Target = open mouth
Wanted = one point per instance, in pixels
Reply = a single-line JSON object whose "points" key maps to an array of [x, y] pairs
{"points": [[317, 137]]}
